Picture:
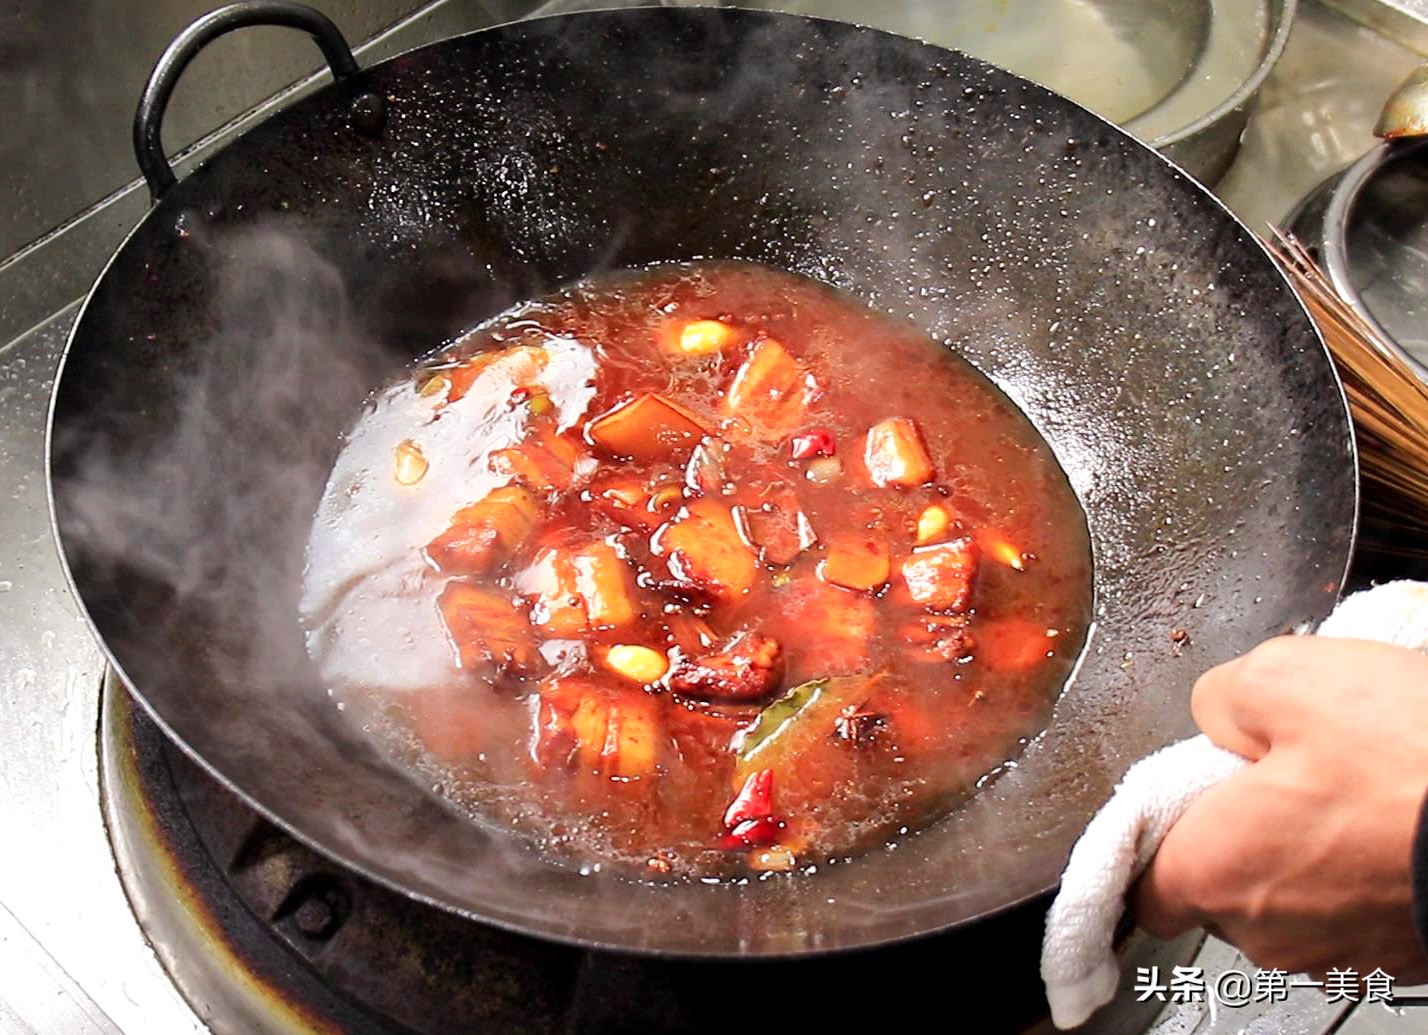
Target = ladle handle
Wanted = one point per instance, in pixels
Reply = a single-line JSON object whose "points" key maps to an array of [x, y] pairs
{"points": [[148, 120]]}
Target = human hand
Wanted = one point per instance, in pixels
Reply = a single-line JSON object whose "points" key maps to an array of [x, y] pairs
{"points": [[1304, 858]]}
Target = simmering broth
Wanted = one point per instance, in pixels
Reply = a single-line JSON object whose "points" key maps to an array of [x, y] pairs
{"points": [[697, 569]]}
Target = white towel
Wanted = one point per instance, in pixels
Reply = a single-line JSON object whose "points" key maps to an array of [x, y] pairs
{"points": [[1078, 965]]}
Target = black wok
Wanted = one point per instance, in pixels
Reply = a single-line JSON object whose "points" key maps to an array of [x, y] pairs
{"points": [[232, 338]]}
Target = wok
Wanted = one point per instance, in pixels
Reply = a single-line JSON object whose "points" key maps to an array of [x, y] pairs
{"points": [[232, 338]]}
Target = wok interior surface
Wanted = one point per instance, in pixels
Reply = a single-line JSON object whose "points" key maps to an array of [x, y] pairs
{"points": [[233, 338]]}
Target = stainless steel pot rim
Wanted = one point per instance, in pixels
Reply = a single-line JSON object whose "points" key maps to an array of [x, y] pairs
{"points": [[1242, 94], [1335, 247]]}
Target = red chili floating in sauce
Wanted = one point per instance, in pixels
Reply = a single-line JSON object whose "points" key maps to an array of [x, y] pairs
{"points": [[752, 833], [754, 800], [818, 442]]}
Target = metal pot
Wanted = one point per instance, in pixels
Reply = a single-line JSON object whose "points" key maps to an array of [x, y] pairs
{"points": [[1206, 145], [1181, 76], [1365, 226]]}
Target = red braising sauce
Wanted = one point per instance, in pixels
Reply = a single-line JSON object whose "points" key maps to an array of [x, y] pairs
{"points": [[704, 568]]}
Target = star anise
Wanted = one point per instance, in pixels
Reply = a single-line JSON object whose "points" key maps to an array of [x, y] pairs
{"points": [[857, 725]]}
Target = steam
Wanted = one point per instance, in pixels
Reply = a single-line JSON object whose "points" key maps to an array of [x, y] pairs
{"points": [[212, 510]]}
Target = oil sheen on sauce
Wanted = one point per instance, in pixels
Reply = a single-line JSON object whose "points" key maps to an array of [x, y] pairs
{"points": [[696, 570]]}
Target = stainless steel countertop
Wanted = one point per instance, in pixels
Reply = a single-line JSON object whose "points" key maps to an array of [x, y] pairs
{"points": [[63, 911], [72, 958], [81, 66]]}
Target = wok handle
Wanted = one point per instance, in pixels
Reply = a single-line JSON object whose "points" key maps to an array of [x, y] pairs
{"points": [[148, 120]]}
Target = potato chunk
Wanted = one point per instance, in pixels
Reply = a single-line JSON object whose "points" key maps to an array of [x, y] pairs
{"points": [[894, 454], [648, 427], [577, 591], [485, 533], [779, 528], [705, 552], [593, 728], [771, 390], [940, 577], [488, 630]]}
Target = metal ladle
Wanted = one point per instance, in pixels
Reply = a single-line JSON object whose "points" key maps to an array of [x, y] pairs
{"points": [[1405, 113]]}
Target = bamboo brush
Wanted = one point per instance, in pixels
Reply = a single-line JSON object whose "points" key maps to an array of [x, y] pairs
{"points": [[1389, 406]]}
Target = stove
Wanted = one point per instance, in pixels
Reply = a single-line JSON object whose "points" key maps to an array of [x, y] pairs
{"points": [[221, 893], [138, 895]]}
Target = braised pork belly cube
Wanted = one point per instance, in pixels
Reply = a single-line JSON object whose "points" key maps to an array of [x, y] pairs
{"points": [[940, 576], [484, 534], [578, 590], [706, 555], [517, 366], [779, 528], [648, 427], [626, 501], [894, 454], [771, 390], [545, 462], [747, 667], [489, 630], [936, 638], [588, 726]]}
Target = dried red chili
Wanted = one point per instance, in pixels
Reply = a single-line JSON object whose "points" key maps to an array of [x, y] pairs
{"points": [[818, 442], [754, 800], [752, 833]]}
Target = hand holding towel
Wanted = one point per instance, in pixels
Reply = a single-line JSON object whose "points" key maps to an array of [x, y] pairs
{"points": [[1078, 965]]}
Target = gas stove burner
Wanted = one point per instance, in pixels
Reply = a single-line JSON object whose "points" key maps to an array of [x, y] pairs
{"points": [[261, 933]]}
